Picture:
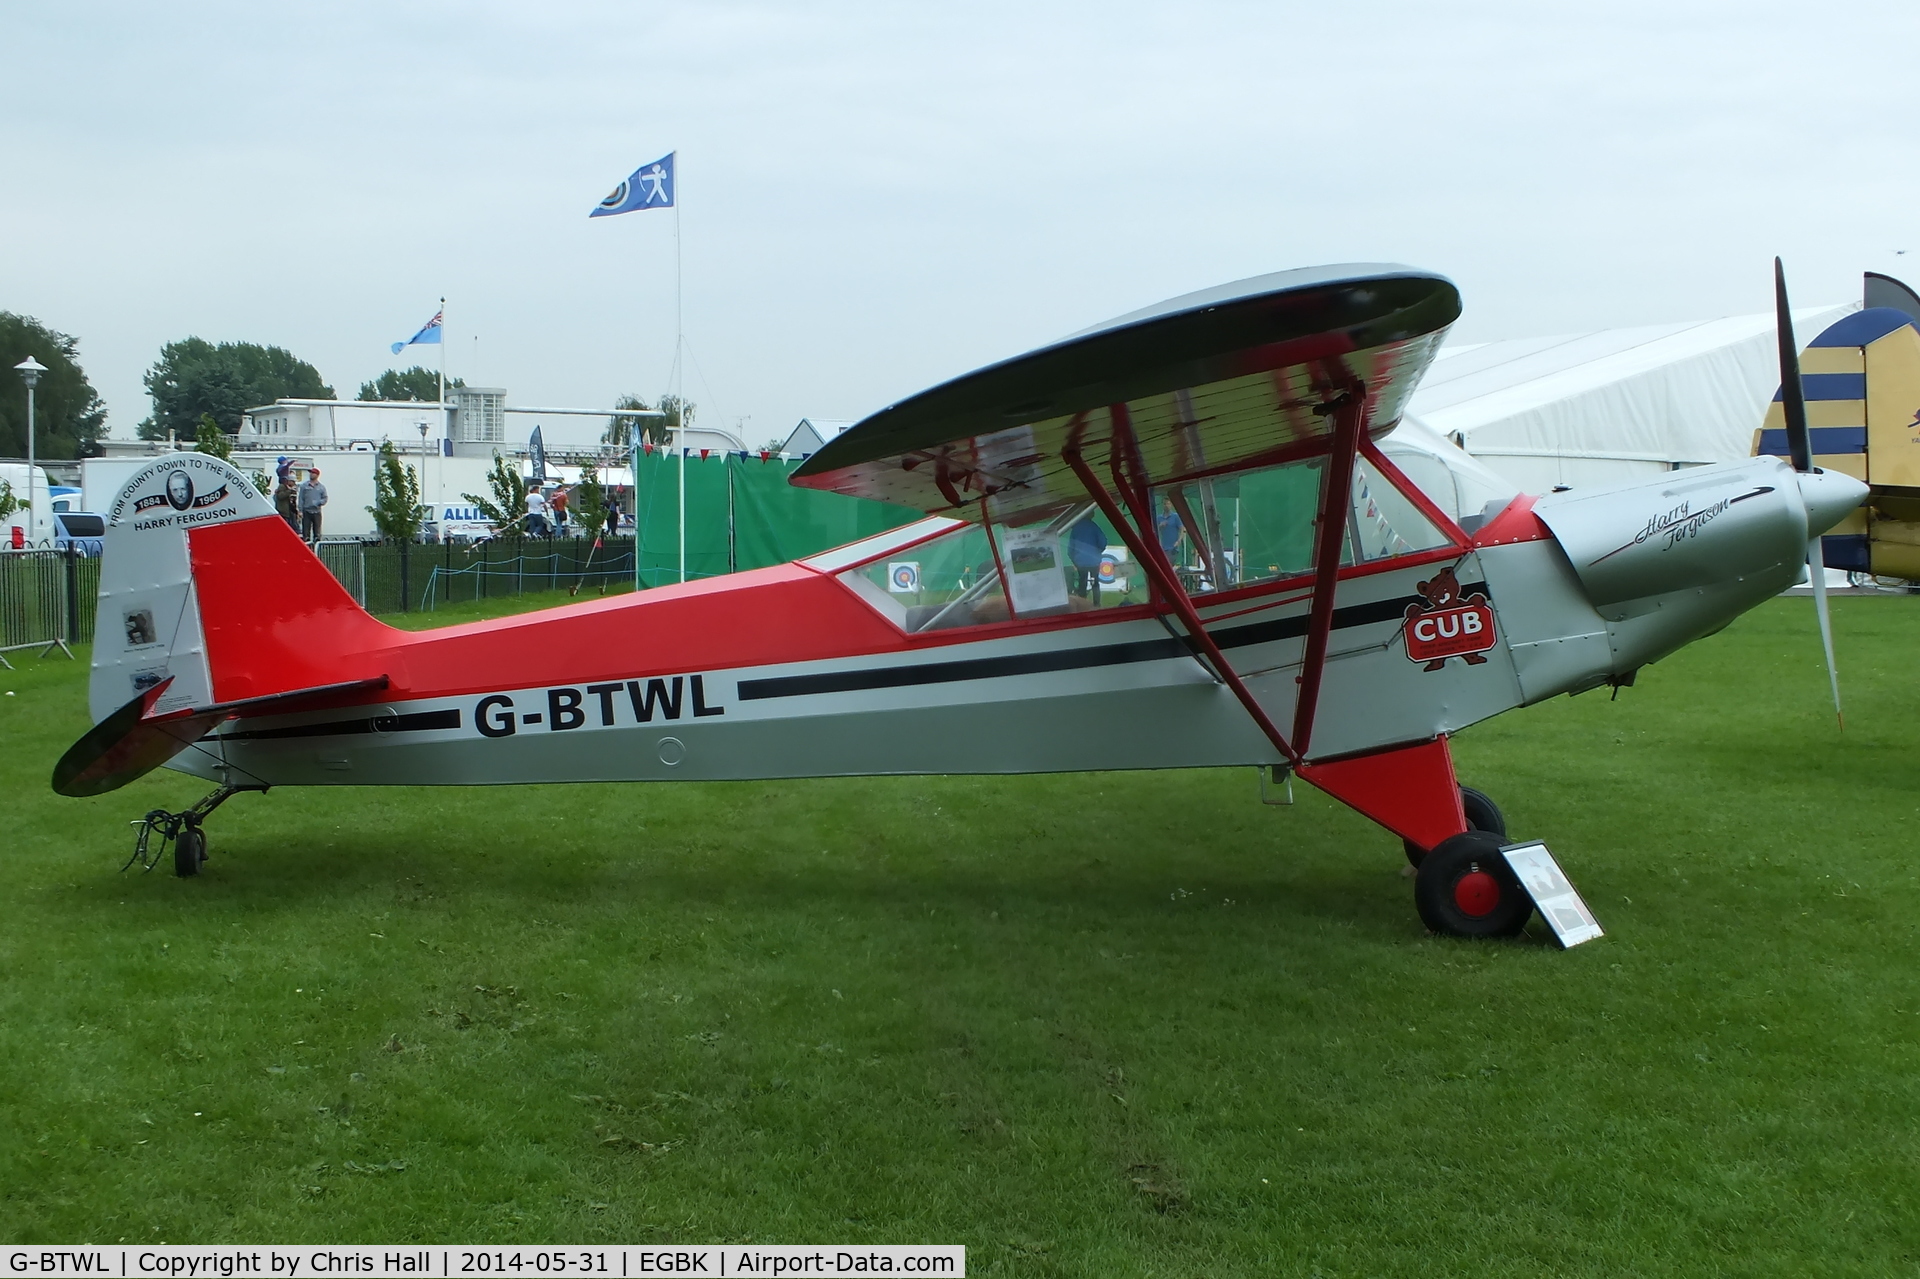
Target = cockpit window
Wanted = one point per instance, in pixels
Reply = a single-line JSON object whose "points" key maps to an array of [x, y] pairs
{"points": [[1385, 522], [1070, 564], [1258, 526], [1242, 529], [952, 580], [1218, 533]]}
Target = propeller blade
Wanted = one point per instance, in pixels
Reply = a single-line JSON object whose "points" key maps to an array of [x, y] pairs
{"points": [[1793, 403], [1817, 574], [1793, 399]]}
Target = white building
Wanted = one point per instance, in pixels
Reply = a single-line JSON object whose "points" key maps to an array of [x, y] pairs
{"points": [[304, 425], [812, 434], [474, 422]]}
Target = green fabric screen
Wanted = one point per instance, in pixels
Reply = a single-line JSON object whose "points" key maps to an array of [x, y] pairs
{"points": [[774, 522], [741, 514], [656, 502]]}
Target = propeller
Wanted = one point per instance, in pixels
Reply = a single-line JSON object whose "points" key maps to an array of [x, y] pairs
{"points": [[1793, 402]]}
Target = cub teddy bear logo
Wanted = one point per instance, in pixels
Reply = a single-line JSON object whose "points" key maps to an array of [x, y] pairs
{"points": [[1448, 625]]}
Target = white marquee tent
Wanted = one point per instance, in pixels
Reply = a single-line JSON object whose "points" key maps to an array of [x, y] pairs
{"points": [[1613, 406]]}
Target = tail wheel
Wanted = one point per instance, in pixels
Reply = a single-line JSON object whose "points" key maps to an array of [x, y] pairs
{"points": [[1466, 889], [189, 851], [1482, 814]]}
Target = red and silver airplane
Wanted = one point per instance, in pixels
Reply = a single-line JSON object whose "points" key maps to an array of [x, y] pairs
{"points": [[1176, 540]]}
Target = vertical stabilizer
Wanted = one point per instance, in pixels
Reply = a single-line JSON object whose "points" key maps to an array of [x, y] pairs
{"points": [[148, 625], [1862, 379]]}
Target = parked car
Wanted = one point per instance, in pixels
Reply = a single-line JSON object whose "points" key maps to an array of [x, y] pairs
{"points": [[82, 530]]}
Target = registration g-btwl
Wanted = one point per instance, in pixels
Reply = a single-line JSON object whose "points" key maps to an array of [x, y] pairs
{"points": [[227, 1261]]}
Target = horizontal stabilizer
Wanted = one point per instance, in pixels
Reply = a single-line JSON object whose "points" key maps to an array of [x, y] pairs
{"points": [[131, 742]]}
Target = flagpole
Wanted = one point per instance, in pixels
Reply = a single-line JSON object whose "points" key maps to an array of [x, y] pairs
{"points": [[679, 372], [440, 471]]}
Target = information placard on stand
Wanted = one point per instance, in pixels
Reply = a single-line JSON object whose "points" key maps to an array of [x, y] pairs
{"points": [[1560, 905]]}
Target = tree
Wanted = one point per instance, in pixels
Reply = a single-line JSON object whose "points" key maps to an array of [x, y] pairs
{"points": [[8, 502], [676, 409], [193, 377], [654, 430], [508, 495], [68, 415], [396, 508], [209, 438], [415, 383], [619, 432], [590, 501]]}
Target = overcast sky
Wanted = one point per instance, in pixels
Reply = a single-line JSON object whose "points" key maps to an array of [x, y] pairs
{"points": [[877, 197]]}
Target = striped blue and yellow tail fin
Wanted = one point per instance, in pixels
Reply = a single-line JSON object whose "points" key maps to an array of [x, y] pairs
{"points": [[1862, 380]]}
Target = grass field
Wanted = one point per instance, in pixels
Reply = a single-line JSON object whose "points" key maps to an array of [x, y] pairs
{"points": [[1086, 1025]]}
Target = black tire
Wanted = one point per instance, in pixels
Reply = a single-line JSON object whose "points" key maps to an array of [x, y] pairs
{"points": [[1482, 814], [1466, 889], [189, 851]]}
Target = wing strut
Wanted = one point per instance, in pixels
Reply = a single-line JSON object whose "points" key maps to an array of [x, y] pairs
{"points": [[1131, 486], [1330, 532]]}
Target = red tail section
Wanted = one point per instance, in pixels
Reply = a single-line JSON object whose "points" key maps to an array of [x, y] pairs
{"points": [[274, 618]]}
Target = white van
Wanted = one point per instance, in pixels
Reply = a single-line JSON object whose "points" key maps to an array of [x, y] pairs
{"points": [[17, 529], [455, 522]]}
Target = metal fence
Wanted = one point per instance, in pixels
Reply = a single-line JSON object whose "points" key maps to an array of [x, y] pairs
{"points": [[405, 577], [46, 598]]}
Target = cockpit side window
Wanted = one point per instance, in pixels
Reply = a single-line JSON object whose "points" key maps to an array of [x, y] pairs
{"points": [[1238, 530], [1219, 533], [1243, 529], [975, 575], [1385, 522], [951, 580]]}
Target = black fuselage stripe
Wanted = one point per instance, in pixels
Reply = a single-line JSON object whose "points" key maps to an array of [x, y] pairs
{"points": [[753, 690], [416, 722]]}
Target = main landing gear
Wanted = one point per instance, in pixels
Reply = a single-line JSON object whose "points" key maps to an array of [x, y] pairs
{"points": [[1463, 887], [183, 830], [1453, 834]]}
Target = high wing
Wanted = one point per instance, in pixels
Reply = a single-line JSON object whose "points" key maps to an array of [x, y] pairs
{"points": [[1239, 375], [1292, 365]]}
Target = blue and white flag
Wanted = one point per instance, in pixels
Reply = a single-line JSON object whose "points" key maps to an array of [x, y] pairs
{"points": [[429, 333], [649, 187]]}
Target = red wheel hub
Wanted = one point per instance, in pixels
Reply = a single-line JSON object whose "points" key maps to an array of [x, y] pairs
{"points": [[1476, 893]]}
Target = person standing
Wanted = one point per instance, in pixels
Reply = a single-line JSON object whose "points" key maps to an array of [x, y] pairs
{"points": [[1086, 543], [286, 499], [558, 505], [536, 512], [313, 496]]}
